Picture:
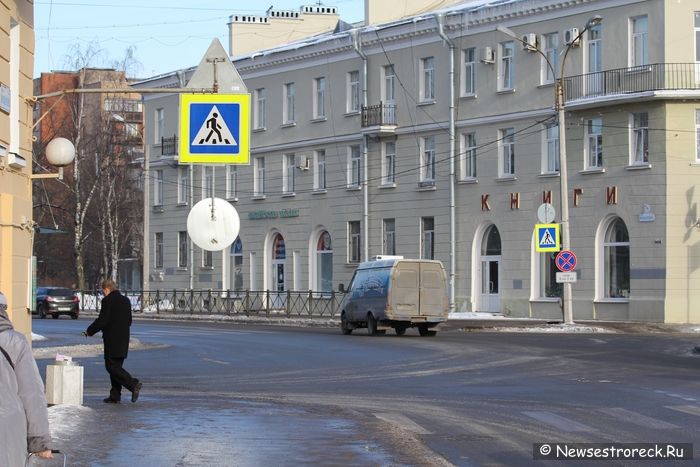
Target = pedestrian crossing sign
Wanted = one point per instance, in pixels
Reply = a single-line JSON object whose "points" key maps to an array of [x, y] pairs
{"points": [[547, 236], [215, 128]]}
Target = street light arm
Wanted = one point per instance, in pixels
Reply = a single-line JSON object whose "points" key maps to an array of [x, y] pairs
{"points": [[510, 33]]}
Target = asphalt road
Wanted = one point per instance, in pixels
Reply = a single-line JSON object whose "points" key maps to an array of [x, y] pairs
{"points": [[254, 395]]}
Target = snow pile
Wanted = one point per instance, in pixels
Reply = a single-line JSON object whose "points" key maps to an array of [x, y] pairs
{"points": [[38, 337]]}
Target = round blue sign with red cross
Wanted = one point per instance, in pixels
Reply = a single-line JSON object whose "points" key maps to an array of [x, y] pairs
{"points": [[566, 261]]}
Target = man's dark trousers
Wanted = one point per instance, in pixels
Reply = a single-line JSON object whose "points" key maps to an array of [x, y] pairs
{"points": [[119, 377]]}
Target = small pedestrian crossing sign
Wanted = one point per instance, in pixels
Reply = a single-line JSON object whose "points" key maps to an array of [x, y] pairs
{"points": [[214, 128], [547, 236]]}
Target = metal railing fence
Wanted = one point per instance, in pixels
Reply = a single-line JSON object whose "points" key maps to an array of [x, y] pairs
{"points": [[378, 115], [267, 303], [644, 78]]}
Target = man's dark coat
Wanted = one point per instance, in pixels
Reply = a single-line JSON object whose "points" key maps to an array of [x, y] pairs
{"points": [[114, 322]]}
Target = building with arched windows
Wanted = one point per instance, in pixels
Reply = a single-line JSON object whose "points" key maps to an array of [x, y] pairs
{"points": [[434, 136]]}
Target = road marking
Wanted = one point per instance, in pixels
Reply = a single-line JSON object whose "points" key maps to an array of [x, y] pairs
{"points": [[638, 419], [691, 409], [403, 422], [559, 422], [215, 361]]}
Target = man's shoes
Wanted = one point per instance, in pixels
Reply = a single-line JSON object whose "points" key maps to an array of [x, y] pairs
{"points": [[109, 400], [135, 392]]}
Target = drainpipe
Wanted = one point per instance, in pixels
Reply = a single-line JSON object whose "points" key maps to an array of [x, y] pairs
{"points": [[440, 18], [355, 36]]}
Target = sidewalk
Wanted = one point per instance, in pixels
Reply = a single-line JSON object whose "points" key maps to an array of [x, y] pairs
{"points": [[466, 321]]}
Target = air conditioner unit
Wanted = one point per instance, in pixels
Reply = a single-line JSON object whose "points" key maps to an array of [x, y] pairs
{"points": [[572, 38], [486, 55], [16, 161], [529, 42], [301, 162]]}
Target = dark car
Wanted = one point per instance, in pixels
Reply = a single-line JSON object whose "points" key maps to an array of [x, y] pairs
{"points": [[56, 301]]}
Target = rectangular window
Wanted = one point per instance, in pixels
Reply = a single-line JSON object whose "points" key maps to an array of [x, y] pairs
{"points": [[697, 135], [550, 66], [207, 181], [550, 161], [389, 241], [427, 79], [182, 185], [506, 137], [158, 188], [640, 138], [427, 238], [320, 170], [182, 249], [288, 110], [468, 157], [594, 143], [353, 92], [639, 48], [389, 163], [207, 259], [427, 160], [320, 98], [506, 66], [354, 244], [697, 36], [354, 167], [158, 250], [231, 182], [159, 130], [469, 72], [288, 173], [549, 288], [259, 108], [389, 90], [259, 176]]}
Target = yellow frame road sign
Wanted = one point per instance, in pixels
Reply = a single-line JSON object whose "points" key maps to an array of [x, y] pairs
{"points": [[547, 231], [215, 128]]}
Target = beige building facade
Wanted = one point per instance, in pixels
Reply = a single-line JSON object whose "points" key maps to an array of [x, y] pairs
{"points": [[435, 136], [16, 227]]}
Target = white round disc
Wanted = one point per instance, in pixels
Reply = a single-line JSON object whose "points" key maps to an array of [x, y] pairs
{"points": [[213, 230], [546, 213]]}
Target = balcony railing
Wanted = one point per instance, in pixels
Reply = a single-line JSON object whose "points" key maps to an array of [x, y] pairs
{"points": [[379, 115], [622, 81], [168, 146]]}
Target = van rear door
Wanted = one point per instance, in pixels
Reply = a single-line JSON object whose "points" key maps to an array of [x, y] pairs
{"points": [[433, 290], [405, 289]]}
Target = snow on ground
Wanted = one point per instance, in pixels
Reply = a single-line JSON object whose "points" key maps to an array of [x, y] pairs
{"points": [[37, 337], [86, 350]]}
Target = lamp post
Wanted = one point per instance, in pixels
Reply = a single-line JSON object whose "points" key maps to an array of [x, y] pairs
{"points": [[559, 103]]}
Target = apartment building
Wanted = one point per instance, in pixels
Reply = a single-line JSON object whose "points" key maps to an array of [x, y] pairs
{"points": [[435, 136], [16, 229]]}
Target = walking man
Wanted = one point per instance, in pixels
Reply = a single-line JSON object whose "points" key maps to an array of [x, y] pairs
{"points": [[114, 322]]}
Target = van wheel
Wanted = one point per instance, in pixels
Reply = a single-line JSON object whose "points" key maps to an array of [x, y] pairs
{"points": [[371, 325], [54, 315], [345, 326], [400, 330], [425, 332]]}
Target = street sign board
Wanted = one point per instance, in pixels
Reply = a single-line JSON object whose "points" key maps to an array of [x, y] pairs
{"points": [[547, 236], [566, 261], [215, 128], [546, 213], [566, 277]]}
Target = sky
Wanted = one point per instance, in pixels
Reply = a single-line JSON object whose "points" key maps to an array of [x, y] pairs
{"points": [[164, 35]]}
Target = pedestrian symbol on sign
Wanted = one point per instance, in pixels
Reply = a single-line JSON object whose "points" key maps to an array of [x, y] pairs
{"points": [[214, 131], [547, 236], [547, 239]]}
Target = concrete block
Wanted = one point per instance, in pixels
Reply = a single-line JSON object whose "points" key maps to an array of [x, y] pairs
{"points": [[64, 384]]}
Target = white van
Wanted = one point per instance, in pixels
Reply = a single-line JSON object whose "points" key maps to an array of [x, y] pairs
{"points": [[392, 292]]}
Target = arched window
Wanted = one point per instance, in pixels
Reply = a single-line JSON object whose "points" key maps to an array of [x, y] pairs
{"points": [[544, 274], [616, 257], [324, 263], [279, 255], [236, 264], [492, 242]]}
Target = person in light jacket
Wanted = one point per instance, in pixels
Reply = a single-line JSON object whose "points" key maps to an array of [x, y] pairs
{"points": [[24, 418]]}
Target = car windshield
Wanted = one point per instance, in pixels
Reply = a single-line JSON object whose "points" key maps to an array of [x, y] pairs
{"points": [[60, 292]]}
